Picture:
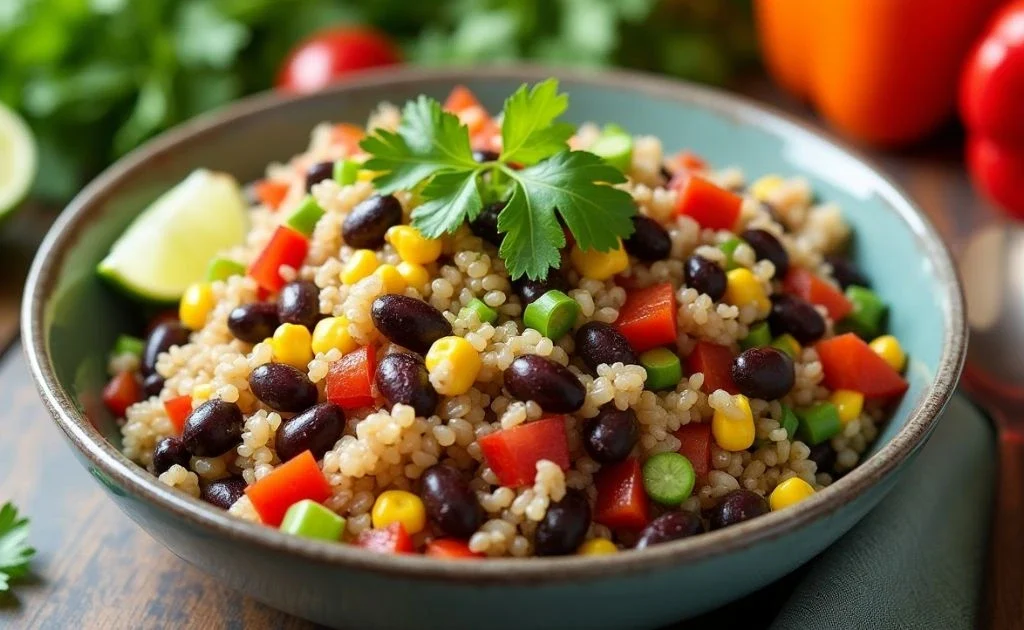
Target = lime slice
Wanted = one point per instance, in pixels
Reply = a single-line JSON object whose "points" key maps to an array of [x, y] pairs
{"points": [[170, 244], [17, 160]]}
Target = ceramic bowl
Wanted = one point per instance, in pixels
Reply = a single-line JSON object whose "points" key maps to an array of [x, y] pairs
{"points": [[70, 320]]}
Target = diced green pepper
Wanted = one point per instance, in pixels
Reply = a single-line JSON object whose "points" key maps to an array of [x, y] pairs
{"points": [[223, 268], [729, 248], [552, 314], [760, 335], [868, 314], [303, 220], [788, 344], [126, 344], [309, 519], [664, 369], [484, 313], [615, 145], [789, 421], [818, 423], [345, 172]]}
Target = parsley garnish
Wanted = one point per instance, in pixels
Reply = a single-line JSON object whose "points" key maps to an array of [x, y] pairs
{"points": [[14, 550], [431, 152]]}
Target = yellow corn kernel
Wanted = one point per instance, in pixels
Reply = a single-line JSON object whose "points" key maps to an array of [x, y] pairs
{"points": [[332, 332], [742, 288], [416, 276], [292, 344], [734, 434], [196, 304], [889, 348], [597, 547], [201, 393], [412, 246], [390, 279], [789, 492], [591, 263], [453, 364], [362, 263], [763, 188], [399, 506], [849, 403]]}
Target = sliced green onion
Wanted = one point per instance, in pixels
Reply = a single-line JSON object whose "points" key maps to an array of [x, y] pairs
{"points": [[788, 344], [789, 421], [303, 220], [345, 172], [552, 314], [867, 315], [615, 145], [664, 370], [760, 335], [729, 248], [126, 344], [309, 519], [223, 268], [818, 423], [484, 313], [668, 478]]}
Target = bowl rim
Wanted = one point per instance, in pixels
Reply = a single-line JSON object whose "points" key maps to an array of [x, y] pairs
{"points": [[145, 487]]}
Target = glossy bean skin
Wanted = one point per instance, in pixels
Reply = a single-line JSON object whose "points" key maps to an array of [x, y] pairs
{"points": [[450, 503], [402, 378], [365, 225], [564, 526], [824, 456], [610, 436], [168, 452], [705, 276], [224, 492], [163, 336], [767, 247], [409, 322], [299, 303], [649, 240], [318, 173], [282, 387], [485, 156], [316, 429], [530, 290], [549, 384], [846, 273], [213, 428], [254, 322], [668, 527], [737, 506], [796, 316], [766, 373], [152, 385], [485, 225], [598, 342]]}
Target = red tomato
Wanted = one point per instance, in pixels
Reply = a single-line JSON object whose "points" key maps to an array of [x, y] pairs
{"points": [[122, 392], [450, 549], [715, 363], [696, 446], [849, 363], [648, 318], [998, 171], [350, 379], [513, 453], [391, 539], [621, 500], [810, 287], [330, 54]]}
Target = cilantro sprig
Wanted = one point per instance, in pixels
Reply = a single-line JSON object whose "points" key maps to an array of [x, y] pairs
{"points": [[14, 550], [537, 176]]}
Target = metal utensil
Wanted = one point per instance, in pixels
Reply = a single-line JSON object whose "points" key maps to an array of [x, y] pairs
{"points": [[992, 266]]}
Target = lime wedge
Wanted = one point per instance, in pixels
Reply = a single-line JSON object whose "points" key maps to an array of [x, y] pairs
{"points": [[17, 160], [170, 244]]}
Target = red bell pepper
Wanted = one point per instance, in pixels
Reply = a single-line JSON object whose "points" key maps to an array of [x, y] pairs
{"points": [[684, 161], [711, 206], [464, 104], [810, 287], [178, 409], [450, 549], [513, 453], [295, 480], [123, 391], [348, 136], [621, 500], [286, 247], [849, 363], [271, 193], [992, 105], [390, 539], [350, 379], [715, 363], [695, 445], [648, 318]]}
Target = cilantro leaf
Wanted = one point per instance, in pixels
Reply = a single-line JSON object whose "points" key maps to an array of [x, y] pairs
{"points": [[529, 132], [14, 550], [451, 198], [532, 238], [429, 141]]}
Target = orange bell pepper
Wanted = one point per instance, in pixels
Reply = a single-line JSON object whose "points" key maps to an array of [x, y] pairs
{"points": [[881, 71]]}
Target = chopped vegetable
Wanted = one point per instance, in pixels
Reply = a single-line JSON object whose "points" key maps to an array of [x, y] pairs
{"points": [[597, 547], [399, 506], [788, 344], [695, 445], [734, 431], [484, 313], [345, 172], [304, 218], [223, 268], [15, 553], [128, 345], [789, 492], [728, 247], [391, 539], [292, 344], [177, 409], [760, 335], [790, 422], [715, 363], [818, 423], [664, 370], [711, 206], [450, 549], [453, 364], [513, 453], [744, 289], [614, 146], [350, 379], [803, 283], [412, 246], [552, 314], [309, 519], [668, 478], [848, 403], [271, 193], [297, 479], [849, 363], [648, 318], [123, 391], [598, 265], [286, 247], [868, 312], [889, 348], [329, 54], [621, 500], [196, 304]]}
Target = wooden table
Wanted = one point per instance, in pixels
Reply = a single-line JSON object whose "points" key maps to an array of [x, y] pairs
{"points": [[97, 569]]}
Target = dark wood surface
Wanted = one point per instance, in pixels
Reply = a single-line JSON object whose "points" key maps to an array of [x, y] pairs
{"points": [[97, 569]]}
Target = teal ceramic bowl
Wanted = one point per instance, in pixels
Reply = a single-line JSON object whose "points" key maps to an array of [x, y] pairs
{"points": [[70, 320]]}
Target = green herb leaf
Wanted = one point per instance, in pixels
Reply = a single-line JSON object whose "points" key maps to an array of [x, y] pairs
{"points": [[532, 238], [529, 132], [451, 199], [14, 550]]}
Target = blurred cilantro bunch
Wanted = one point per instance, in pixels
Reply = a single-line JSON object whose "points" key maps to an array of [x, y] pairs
{"points": [[94, 78]]}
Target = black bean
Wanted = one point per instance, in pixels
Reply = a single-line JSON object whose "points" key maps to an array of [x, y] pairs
{"points": [[252, 323], [163, 336], [564, 526], [649, 241], [705, 276], [767, 247], [450, 503], [213, 428], [282, 387], [549, 384], [610, 436], [846, 273], [824, 456], [299, 303], [224, 492], [668, 527], [153, 384], [666, 175], [530, 290], [409, 322], [485, 225], [318, 173], [796, 316], [316, 429], [765, 373], [365, 225], [485, 156], [736, 507], [402, 378], [598, 342], [168, 452]]}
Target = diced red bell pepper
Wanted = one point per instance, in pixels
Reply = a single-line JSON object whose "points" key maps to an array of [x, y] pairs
{"points": [[464, 104], [803, 283], [621, 500], [348, 137], [178, 409], [695, 445], [297, 479], [648, 318], [390, 539], [685, 161], [450, 549], [123, 391], [711, 206], [350, 379], [513, 453], [849, 363], [286, 247], [460, 98], [715, 363], [271, 193]]}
